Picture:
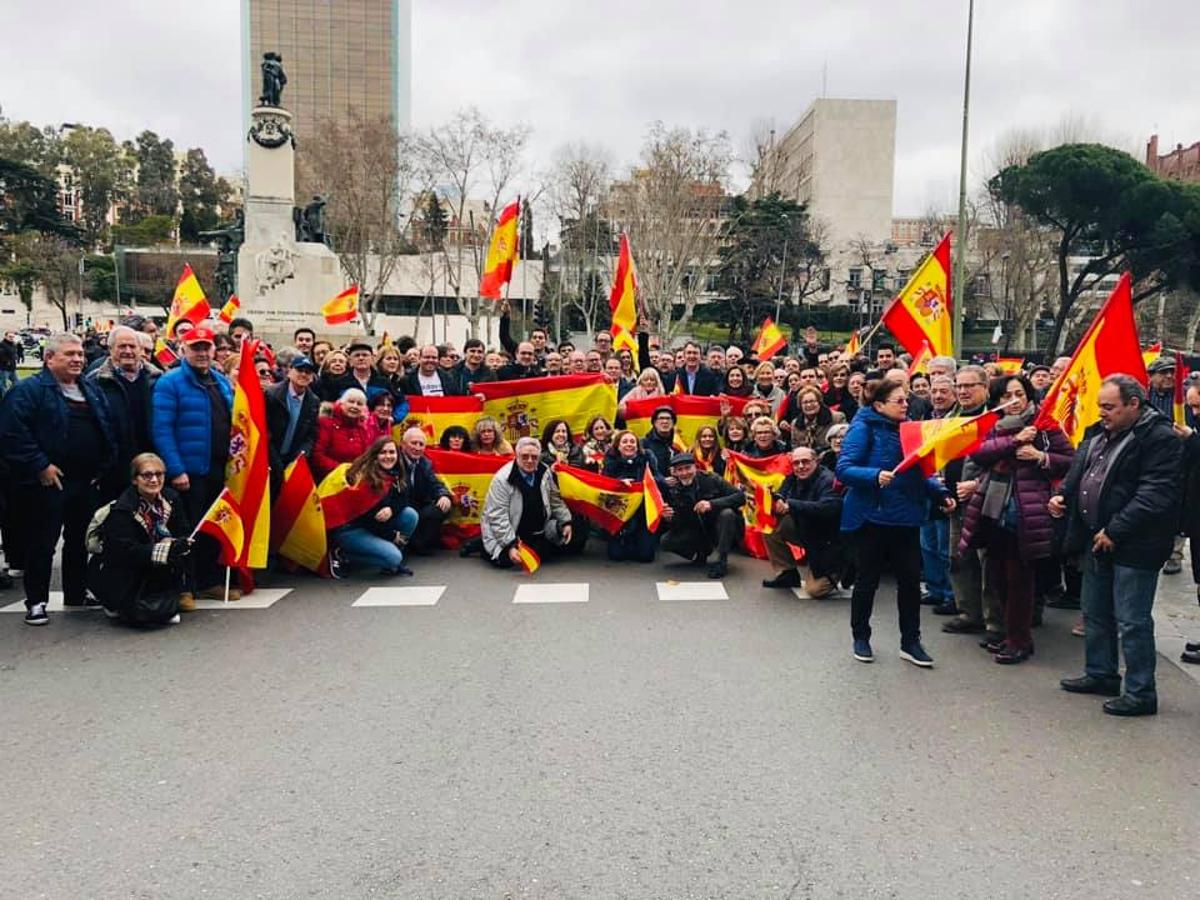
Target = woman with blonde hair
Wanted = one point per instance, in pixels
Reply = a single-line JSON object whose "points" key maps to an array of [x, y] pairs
{"points": [[489, 440], [649, 384], [764, 438], [335, 365], [811, 427], [766, 389], [707, 450]]}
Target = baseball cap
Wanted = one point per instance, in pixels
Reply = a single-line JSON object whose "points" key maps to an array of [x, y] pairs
{"points": [[303, 362], [201, 334]]}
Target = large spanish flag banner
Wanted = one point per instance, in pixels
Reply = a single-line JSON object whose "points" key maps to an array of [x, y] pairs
{"points": [[433, 415], [933, 444], [342, 502], [1109, 346], [608, 502], [342, 308], [921, 311], [188, 303], [523, 406], [467, 476], [622, 301], [770, 340], [298, 521], [247, 473], [223, 523], [691, 412], [502, 255], [761, 478]]}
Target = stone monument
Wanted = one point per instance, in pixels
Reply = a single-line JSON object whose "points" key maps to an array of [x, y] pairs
{"points": [[284, 273]]}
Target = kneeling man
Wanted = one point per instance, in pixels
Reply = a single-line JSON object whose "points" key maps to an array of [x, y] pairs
{"points": [[701, 514], [810, 512]]}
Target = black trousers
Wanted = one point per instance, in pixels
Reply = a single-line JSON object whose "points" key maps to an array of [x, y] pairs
{"points": [[428, 534], [49, 513], [877, 546], [201, 492], [13, 529], [547, 549], [715, 530]]}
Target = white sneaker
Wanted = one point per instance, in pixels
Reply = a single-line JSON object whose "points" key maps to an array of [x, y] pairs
{"points": [[174, 620], [37, 615]]}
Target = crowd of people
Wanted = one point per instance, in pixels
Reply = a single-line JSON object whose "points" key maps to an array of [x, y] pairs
{"points": [[120, 459]]}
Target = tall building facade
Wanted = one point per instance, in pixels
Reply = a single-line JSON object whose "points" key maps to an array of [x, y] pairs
{"points": [[337, 54], [1180, 164], [839, 158]]}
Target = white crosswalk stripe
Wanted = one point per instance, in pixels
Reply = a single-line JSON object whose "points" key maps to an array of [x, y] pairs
{"points": [[261, 598], [691, 590], [551, 593], [424, 595]]}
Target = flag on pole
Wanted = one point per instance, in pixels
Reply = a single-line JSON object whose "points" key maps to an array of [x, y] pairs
{"points": [[920, 362], [530, 561], [854, 345], [1179, 405], [608, 502], [934, 443], [770, 340], [1151, 353], [1109, 346], [502, 255], [1010, 365], [342, 308], [223, 523], [622, 300], [163, 354], [188, 302], [230, 310], [652, 500], [297, 520], [921, 311], [247, 472]]}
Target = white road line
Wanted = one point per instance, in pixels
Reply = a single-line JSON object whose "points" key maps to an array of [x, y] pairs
{"points": [[259, 598], [55, 605], [691, 590], [551, 593], [424, 595]]}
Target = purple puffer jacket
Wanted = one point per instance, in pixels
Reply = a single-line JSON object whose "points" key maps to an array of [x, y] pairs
{"points": [[1032, 481]]}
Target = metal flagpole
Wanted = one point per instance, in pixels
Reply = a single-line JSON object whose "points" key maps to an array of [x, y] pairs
{"points": [[960, 258]]}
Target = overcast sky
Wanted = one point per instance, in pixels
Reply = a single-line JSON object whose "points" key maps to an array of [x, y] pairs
{"points": [[580, 69]]}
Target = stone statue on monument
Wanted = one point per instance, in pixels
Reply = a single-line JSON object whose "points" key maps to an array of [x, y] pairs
{"points": [[310, 222], [229, 240], [273, 80]]}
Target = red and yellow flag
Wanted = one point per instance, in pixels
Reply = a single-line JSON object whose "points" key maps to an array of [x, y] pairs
{"points": [[298, 521], [530, 561], [342, 502], [223, 523], [433, 415], [622, 300], [920, 362], [247, 473], [502, 255], [230, 310], [921, 311], [163, 354], [692, 413], [188, 303], [1109, 346], [934, 443], [342, 308], [1179, 405], [854, 345], [1151, 353], [763, 476], [770, 340], [467, 476], [608, 502], [523, 406], [1010, 365], [652, 500]]}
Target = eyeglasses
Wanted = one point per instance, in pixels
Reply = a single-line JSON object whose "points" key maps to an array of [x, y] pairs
{"points": [[899, 401], [151, 476]]}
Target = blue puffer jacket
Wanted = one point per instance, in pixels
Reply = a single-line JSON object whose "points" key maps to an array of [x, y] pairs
{"points": [[33, 425], [871, 446], [181, 420]]}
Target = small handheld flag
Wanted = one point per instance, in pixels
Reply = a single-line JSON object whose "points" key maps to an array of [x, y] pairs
{"points": [[530, 561], [770, 340], [342, 308], [223, 523], [652, 499], [230, 310], [164, 355]]}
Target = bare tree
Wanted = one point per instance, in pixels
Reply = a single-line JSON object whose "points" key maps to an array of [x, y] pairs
{"points": [[367, 170], [579, 183], [672, 206], [762, 162]]}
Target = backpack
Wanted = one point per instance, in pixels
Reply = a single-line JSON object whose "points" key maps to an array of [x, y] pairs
{"points": [[94, 541]]}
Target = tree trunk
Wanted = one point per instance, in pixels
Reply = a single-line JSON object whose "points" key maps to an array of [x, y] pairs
{"points": [[1192, 326], [1064, 297]]}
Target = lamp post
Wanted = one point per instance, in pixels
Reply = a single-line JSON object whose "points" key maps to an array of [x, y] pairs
{"points": [[960, 257]]}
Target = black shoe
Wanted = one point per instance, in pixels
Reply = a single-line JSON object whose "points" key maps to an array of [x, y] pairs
{"points": [[915, 654], [1064, 601], [335, 563], [962, 626], [1089, 684], [1127, 706], [788, 578], [1190, 656], [1192, 647], [930, 600], [718, 569], [1009, 656], [992, 643], [87, 602], [1172, 567], [37, 615], [400, 570], [948, 608]]}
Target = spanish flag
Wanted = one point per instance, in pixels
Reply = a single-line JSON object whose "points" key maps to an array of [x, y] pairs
{"points": [[624, 340], [164, 355], [608, 502], [247, 471], [622, 301], [920, 362], [652, 500], [1010, 365], [467, 476], [530, 561], [502, 255], [853, 346], [522, 406], [770, 340], [933, 444], [433, 415], [298, 521], [223, 523], [230, 310], [691, 412], [1179, 406], [1109, 346], [188, 303], [764, 477], [921, 312], [1151, 353], [342, 308], [342, 502]]}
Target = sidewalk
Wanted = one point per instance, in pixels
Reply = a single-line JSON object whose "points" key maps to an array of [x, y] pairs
{"points": [[1177, 616]]}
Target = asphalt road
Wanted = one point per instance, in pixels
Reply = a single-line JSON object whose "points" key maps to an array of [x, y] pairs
{"points": [[622, 747]]}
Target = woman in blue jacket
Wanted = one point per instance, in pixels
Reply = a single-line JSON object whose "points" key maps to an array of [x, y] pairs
{"points": [[883, 512]]}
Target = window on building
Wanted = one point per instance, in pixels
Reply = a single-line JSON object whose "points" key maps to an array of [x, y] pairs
{"points": [[855, 277], [878, 281]]}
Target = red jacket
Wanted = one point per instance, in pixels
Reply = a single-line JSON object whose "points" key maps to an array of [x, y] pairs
{"points": [[339, 440]]}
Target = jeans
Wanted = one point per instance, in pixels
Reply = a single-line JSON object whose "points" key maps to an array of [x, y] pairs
{"points": [[875, 546], [1117, 603], [361, 546], [935, 558], [8, 381]]}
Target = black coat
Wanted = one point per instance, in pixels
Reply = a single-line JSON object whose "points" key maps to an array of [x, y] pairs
{"points": [[719, 492], [815, 505], [514, 371], [129, 405], [708, 382], [275, 398], [662, 449], [464, 378], [410, 384], [1189, 520], [423, 487], [1140, 497], [332, 389]]}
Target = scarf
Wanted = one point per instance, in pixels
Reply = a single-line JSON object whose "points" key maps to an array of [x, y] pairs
{"points": [[153, 517], [997, 493]]}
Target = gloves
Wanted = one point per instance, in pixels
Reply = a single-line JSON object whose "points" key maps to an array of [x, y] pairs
{"points": [[180, 548]]}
